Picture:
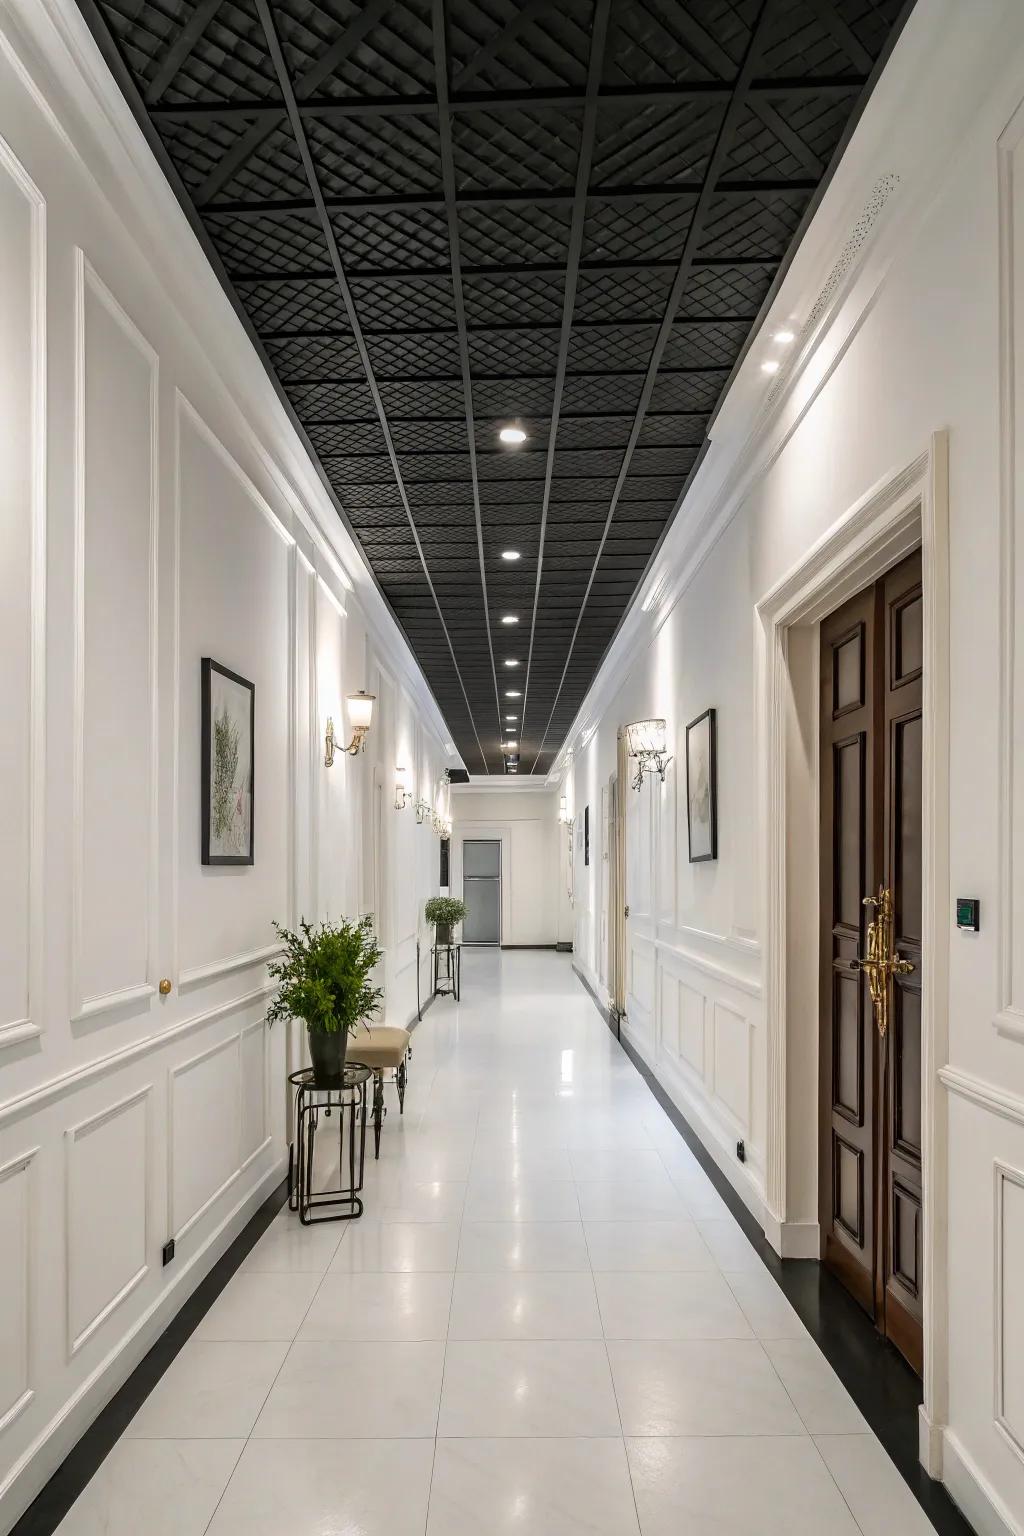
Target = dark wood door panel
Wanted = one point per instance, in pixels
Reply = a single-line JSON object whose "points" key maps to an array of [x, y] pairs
{"points": [[872, 653]]}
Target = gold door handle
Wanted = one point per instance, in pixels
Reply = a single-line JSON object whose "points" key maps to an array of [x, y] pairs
{"points": [[883, 960]]}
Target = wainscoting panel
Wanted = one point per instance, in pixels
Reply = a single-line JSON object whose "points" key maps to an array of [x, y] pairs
{"points": [[253, 1085], [115, 620], [106, 1212], [204, 1092], [1009, 1261], [22, 619], [15, 1288], [731, 1032]]}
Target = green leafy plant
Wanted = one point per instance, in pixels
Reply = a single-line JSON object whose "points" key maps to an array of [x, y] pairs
{"points": [[446, 910], [323, 975]]}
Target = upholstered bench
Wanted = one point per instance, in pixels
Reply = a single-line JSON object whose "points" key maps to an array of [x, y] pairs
{"points": [[383, 1048]]}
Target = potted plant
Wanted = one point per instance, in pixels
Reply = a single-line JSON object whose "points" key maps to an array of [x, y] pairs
{"points": [[323, 978], [444, 912]]}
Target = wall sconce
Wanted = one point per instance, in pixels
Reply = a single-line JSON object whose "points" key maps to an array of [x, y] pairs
{"points": [[403, 794], [645, 740], [360, 714]]}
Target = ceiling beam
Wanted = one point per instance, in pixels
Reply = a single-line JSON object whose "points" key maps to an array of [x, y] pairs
{"points": [[506, 197], [515, 328], [302, 144], [519, 376], [712, 171], [448, 175], [491, 270], [329, 108]]}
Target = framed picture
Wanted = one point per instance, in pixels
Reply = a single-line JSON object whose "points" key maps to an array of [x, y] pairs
{"points": [[702, 788], [227, 757], [586, 834]]}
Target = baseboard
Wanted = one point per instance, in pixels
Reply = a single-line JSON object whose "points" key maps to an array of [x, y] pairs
{"points": [[929, 1444], [37, 1465], [564, 946], [528, 946], [793, 1239], [971, 1491]]}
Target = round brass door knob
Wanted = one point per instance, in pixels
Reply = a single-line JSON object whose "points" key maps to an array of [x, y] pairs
{"points": [[165, 986]]}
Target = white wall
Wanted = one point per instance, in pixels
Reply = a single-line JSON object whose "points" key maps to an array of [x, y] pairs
{"points": [[525, 820], [895, 296], [156, 508]]}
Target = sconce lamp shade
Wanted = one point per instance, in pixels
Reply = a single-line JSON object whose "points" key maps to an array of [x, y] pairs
{"points": [[360, 709], [646, 738]]}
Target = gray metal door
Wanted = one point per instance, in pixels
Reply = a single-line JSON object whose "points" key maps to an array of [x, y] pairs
{"points": [[481, 890]]}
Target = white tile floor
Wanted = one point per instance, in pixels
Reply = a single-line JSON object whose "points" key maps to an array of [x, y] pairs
{"points": [[547, 1323]]}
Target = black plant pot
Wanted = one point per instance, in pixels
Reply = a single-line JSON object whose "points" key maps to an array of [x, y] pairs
{"points": [[442, 933], [327, 1052]]}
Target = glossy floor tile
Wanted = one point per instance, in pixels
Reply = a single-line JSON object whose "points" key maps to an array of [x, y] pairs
{"points": [[547, 1323]]}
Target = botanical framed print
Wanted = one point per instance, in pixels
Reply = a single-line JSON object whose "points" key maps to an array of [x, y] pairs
{"points": [[227, 759], [702, 788]]}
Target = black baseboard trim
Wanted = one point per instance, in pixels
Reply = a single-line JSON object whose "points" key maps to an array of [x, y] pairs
{"points": [[528, 946], [876, 1376], [564, 948], [53, 1501]]}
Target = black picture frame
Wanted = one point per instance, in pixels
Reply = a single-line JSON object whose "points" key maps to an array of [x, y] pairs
{"points": [[706, 742], [586, 835], [209, 668]]}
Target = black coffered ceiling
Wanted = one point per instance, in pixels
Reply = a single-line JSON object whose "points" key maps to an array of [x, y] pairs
{"points": [[441, 216]]}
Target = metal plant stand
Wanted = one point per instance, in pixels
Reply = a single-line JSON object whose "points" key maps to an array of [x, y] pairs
{"points": [[347, 1101], [447, 969]]}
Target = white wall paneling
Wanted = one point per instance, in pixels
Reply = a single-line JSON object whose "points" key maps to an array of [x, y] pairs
{"points": [[115, 710], [234, 605], [1009, 1018], [107, 1206], [1009, 1333], [22, 612], [205, 1090], [16, 1287], [156, 506]]}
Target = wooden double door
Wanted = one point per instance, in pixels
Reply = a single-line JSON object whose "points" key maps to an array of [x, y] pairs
{"points": [[871, 844]]}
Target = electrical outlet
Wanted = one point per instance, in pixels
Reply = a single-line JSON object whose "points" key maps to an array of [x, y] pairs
{"points": [[168, 1250], [741, 1151]]}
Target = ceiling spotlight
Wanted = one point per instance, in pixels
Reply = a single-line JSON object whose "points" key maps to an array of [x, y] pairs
{"points": [[510, 618], [512, 435], [785, 337], [512, 693], [510, 663], [771, 365], [511, 717], [510, 554]]}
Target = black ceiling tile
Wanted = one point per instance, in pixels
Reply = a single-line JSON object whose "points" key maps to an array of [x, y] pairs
{"points": [[382, 333]]}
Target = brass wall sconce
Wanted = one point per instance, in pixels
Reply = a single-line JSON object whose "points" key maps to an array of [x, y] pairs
{"points": [[360, 714], [645, 740], [403, 794]]}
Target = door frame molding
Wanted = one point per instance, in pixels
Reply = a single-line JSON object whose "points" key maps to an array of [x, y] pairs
{"points": [[908, 507]]}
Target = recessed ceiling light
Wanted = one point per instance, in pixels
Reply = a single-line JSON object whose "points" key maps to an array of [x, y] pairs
{"points": [[512, 693], [510, 554], [511, 717], [510, 618], [770, 365], [785, 337], [512, 435], [509, 662]]}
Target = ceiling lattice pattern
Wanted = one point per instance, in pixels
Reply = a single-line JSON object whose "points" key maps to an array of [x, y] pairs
{"points": [[438, 217]]}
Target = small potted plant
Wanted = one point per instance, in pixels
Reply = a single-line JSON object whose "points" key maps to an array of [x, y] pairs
{"points": [[444, 912], [323, 978]]}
